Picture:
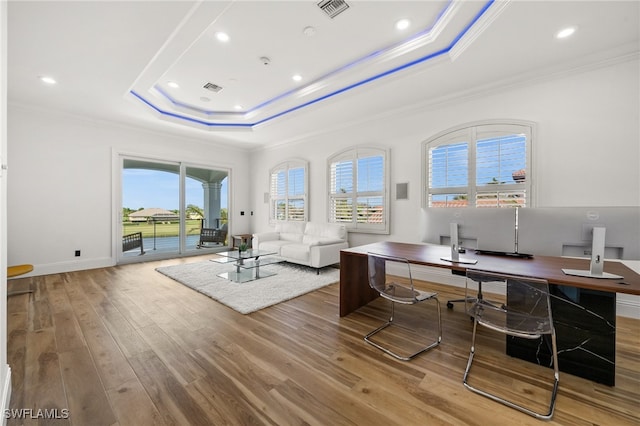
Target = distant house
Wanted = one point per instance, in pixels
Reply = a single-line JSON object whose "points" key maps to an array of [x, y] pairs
{"points": [[519, 175], [153, 214]]}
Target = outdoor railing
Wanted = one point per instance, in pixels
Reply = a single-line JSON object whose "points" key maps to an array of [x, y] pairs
{"points": [[163, 235]]}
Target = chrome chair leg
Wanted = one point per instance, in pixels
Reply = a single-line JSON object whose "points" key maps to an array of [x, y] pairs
{"points": [[419, 351], [552, 403]]}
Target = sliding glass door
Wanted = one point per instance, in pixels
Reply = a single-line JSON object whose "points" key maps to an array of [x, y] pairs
{"points": [[206, 207], [165, 206]]}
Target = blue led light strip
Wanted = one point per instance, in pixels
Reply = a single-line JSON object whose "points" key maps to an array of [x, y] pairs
{"points": [[331, 94]]}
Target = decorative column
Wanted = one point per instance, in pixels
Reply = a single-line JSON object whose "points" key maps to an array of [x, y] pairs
{"points": [[212, 204]]}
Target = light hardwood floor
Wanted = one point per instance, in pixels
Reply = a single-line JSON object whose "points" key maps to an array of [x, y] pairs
{"points": [[129, 346]]}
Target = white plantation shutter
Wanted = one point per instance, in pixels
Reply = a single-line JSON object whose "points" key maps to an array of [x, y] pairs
{"points": [[449, 172], [288, 191], [296, 194], [449, 165], [296, 181], [341, 172], [370, 190], [358, 195], [278, 201], [501, 169], [486, 165]]}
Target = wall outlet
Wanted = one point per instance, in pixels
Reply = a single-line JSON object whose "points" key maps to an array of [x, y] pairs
{"points": [[77, 253]]}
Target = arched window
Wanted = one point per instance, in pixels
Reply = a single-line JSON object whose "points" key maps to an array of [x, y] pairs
{"points": [[481, 165], [358, 194], [288, 189]]}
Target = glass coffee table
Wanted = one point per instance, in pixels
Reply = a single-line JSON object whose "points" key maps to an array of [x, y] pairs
{"points": [[247, 264]]}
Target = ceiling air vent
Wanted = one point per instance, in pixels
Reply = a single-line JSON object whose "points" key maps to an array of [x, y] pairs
{"points": [[213, 87], [333, 7]]}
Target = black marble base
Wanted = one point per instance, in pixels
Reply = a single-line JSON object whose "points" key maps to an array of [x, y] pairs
{"points": [[585, 322]]}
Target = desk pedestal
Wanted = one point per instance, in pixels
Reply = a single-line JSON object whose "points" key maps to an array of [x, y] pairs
{"points": [[585, 322], [354, 283]]}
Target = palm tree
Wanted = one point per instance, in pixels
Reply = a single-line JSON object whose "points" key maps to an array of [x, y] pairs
{"points": [[194, 212]]}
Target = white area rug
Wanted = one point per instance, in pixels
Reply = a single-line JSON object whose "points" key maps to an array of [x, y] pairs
{"points": [[291, 281]]}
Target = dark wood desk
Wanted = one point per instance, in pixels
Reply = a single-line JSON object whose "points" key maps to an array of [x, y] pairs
{"points": [[585, 298]]}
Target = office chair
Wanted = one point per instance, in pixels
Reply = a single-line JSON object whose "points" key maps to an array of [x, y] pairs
{"points": [[397, 293], [526, 314], [472, 299]]}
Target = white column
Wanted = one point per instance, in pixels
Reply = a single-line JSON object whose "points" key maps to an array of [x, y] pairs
{"points": [[212, 203]]}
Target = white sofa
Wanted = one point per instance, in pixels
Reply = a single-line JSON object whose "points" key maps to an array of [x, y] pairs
{"points": [[307, 243]]}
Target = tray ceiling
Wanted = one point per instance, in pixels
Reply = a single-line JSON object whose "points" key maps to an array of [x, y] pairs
{"points": [[161, 65]]}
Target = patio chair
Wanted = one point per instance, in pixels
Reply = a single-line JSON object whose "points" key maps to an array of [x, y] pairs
{"points": [[132, 241], [213, 235]]}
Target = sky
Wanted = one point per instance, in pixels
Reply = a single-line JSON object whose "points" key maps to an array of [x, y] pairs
{"points": [[150, 188]]}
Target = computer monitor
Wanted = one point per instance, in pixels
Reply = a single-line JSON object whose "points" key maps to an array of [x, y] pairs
{"points": [[568, 231], [455, 249], [486, 229], [596, 267]]}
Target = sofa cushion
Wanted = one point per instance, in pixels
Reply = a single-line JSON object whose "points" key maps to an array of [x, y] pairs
{"points": [[295, 251], [313, 240], [291, 231], [274, 246], [326, 230]]}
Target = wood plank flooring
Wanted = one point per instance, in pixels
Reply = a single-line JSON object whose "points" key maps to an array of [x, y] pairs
{"points": [[129, 346]]}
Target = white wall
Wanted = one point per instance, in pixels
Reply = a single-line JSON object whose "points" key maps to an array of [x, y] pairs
{"points": [[5, 371], [60, 188], [586, 150]]}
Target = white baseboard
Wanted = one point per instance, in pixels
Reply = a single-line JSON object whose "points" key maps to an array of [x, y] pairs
{"points": [[628, 306], [6, 395], [76, 265]]}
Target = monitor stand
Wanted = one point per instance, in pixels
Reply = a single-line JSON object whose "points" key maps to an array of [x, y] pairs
{"points": [[455, 254], [597, 259]]}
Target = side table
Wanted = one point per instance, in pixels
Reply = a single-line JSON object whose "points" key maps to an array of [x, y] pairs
{"points": [[242, 239]]}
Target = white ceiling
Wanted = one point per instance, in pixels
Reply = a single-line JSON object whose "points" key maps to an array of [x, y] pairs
{"points": [[113, 60]]}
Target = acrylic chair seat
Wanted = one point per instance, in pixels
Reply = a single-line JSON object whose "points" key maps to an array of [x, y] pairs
{"points": [[396, 292], [526, 314]]}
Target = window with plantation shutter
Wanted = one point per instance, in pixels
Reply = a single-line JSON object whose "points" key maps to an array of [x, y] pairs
{"points": [[484, 165], [358, 196], [288, 191]]}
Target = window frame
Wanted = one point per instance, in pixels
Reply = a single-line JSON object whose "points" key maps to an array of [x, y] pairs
{"points": [[286, 167], [473, 132], [353, 154]]}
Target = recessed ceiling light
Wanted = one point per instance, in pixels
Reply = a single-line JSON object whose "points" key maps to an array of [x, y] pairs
{"points": [[238, 107], [403, 24], [173, 85], [297, 77], [565, 32], [309, 31], [47, 80], [224, 37]]}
